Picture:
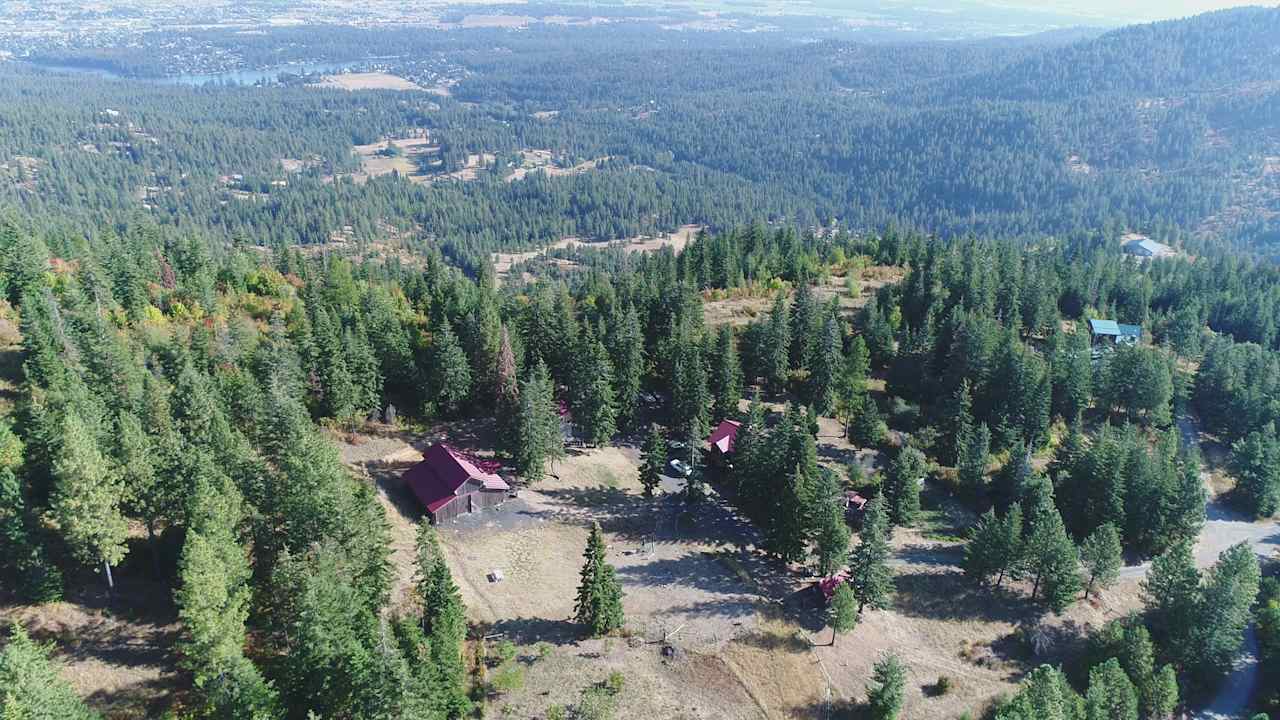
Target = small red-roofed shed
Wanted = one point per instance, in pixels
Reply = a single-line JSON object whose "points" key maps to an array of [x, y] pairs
{"points": [[722, 440]]}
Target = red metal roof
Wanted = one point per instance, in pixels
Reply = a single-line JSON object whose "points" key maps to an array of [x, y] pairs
{"points": [[829, 584], [854, 500], [442, 472], [723, 436]]}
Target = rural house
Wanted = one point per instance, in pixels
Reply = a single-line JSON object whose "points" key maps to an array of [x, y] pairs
{"points": [[1110, 333], [448, 484], [721, 441], [1145, 247]]}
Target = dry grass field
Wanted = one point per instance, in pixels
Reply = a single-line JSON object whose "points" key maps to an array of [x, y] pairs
{"points": [[375, 162], [744, 308], [503, 262], [367, 81], [714, 628], [542, 161]]}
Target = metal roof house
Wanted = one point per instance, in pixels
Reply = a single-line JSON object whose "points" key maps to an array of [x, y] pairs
{"points": [[1110, 331], [1148, 248], [720, 443], [449, 484]]}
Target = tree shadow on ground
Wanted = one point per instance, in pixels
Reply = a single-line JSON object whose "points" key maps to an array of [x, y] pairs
{"points": [[152, 697], [132, 633], [693, 570], [950, 596], [530, 631], [933, 555], [834, 710], [390, 480], [739, 607], [790, 642]]}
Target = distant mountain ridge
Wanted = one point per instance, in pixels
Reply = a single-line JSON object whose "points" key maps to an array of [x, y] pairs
{"points": [[1205, 52]]}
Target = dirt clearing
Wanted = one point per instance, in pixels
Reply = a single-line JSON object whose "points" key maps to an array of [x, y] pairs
{"points": [[543, 161], [503, 262], [119, 656], [404, 155], [367, 81]]}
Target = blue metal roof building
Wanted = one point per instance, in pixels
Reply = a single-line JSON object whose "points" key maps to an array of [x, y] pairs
{"points": [[1146, 247], [1118, 332]]}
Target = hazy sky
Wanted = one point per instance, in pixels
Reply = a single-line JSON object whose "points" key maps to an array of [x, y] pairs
{"points": [[1150, 9]]}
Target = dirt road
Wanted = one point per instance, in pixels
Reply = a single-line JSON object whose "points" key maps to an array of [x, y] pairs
{"points": [[1224, 528]]}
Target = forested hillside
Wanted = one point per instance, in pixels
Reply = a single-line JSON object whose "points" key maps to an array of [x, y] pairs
{"points": [[1165, 129], [177, 391]]}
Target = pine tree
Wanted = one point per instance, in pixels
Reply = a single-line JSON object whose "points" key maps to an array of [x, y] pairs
{"points": [[213, 602], [450, 372], [726, 375], [689, 394], [1102, 556], [1172, 594], [443, 621], [655, 461], [506, 396], [844, 611], [971, 468], [870, 576], [1111, 695], [902, 486], [994, 546], [777, 348], [22, 562], [594, 407], [1072, 375], [366, 373], [1049, 556], [1255, 462], [804, 326], [626, 350], [333, 665], [599, 603], [31, 687], [538, 438], [960, 417], [1136, 653], [831, 538], [866, 427], [86, 498], [1183, 507], [788, 532], [751, 462], [1160, 698], [1230, 589], [150, 486], [885, 697], [1045, 695], [336, 389], [825, 367], [851, 385]]}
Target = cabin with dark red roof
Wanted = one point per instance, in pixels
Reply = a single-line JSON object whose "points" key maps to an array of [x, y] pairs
{"points": [[720, 443], [449, 484]]}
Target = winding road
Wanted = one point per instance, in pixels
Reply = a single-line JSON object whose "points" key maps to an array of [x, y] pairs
{"points": [[1224, 528]]}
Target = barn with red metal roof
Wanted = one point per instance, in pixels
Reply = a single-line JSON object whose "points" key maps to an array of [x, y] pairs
{"points": [[449, 484]]}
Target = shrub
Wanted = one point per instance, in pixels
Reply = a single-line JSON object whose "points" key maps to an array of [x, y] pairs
{"points": [[597, 703]]}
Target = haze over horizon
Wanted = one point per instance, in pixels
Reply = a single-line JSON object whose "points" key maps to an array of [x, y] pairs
{"points": [[1131, 10]]}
